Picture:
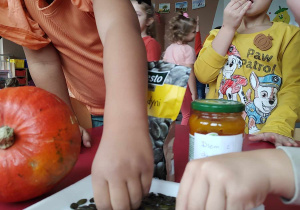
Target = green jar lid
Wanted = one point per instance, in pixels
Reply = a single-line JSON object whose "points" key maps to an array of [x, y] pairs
{"points": [[218, 105]]}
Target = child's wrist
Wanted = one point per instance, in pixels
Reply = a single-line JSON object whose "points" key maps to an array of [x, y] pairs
{"points": [[281, 173], [228, 30]]}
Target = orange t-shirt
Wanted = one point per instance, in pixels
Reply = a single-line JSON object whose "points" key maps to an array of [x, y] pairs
{"points": [[71, 27]]}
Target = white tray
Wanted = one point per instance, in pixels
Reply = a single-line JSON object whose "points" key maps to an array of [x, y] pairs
{"points": [[83, 189]]}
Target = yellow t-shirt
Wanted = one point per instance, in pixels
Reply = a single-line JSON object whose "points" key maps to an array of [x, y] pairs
{"points": [[266, 80], [71, 27]]}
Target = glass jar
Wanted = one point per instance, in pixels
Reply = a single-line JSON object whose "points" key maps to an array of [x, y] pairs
{"points": [[216, 127]]}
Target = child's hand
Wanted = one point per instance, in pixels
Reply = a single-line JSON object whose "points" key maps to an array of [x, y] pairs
{"points": [[198, 24], [198, 20], [85, 137], [234, 13], [275, 138], [122, 169], [235, 181]]}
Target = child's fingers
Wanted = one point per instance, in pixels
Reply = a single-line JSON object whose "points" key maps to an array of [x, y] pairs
{"points": [[232, 2], [277, 144], [257, 137], [185, 188], [199, 191], [284, 141], [101, 195], [245, 7], [216, 197], [146, 179], [292, 142], [263, 137], [238, 4], [119, 195], [135, 192], [274, 138], [233, 203], [85, 137]]}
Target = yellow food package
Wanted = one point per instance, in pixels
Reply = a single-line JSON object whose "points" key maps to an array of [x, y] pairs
{"points": [[167, 84]]}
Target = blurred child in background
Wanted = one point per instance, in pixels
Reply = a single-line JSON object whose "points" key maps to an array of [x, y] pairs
{"points": [[182, 31], [255, 61], [145, 13]]}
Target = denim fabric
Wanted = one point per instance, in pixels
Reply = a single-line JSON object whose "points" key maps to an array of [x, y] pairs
{"points": [[97, 121], [200, 90]]}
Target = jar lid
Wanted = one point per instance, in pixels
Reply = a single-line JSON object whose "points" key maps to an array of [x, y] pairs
{"points": [[218, 105]]}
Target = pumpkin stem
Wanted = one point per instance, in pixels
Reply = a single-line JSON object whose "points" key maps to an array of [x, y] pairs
{"points": [[6, 137]]}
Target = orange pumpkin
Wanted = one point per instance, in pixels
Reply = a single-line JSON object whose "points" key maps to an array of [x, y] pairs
{"points": [[39, 142]]}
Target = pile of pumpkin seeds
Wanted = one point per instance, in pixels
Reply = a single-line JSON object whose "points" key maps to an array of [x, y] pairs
{"points": [[84, 204], [151, 202], [158, 202]]}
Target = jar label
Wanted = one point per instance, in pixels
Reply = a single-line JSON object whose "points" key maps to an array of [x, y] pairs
{"points": [[212, 144], [191, 147]]}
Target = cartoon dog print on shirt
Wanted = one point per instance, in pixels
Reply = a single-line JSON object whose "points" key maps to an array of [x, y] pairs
{"points": [[231, 85], [265, 99]]}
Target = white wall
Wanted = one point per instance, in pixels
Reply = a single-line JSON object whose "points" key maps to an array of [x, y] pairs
{"points": [[275, 6], [218, 20]]}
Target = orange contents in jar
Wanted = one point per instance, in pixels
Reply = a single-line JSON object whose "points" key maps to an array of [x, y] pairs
{"points": [[220, 123]]}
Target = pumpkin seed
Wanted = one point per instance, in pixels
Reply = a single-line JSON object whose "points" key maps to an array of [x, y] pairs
{"points": [[154, 130], [158, 155], [153, 143], [92, 200], [161, 170], [74, 206], [159, 144], [164, 130], [81, 201], [177, 73], [154, 170], [92, 205], [182, 81], [151, 65], [158, 120], [168, 122], [165, 65]]}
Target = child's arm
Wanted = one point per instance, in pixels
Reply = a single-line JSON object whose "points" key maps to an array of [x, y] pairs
{"points": [[198, 43], [192, 83], [123, 166], [233, 15], [280, 125], [236, 180], [45, 69], [212, 56]]}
